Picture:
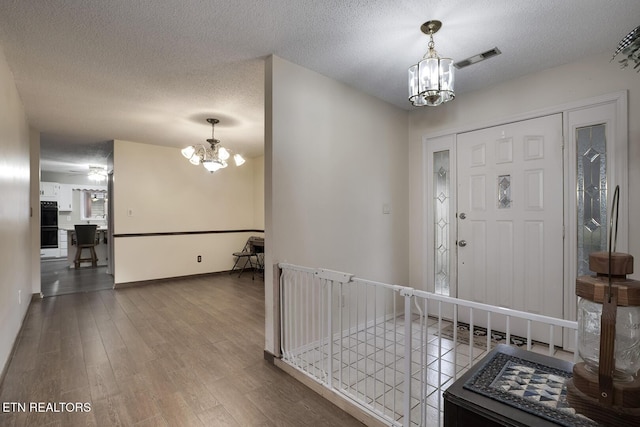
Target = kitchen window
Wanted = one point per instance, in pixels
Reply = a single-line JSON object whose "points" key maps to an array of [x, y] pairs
{"points": [[93, 205]]}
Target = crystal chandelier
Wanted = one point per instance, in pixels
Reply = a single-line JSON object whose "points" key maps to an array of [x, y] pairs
{"points": [[213, 157], [431, 80]]}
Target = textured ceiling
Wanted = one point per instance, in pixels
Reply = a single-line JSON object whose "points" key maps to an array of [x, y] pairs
{"points": [[152, 71]]}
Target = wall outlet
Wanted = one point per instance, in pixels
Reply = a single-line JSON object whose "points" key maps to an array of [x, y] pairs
{"points": [[199, 258], [19, 296]]}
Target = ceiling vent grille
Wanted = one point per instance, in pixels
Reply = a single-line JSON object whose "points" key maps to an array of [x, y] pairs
{"points": [[477, 58]]}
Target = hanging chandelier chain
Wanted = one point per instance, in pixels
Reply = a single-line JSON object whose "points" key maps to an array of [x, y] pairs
{"points": [[431, 53], [213, 141]]}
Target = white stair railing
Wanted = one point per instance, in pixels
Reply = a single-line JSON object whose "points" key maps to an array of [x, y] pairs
{"points": [[392, 350]]}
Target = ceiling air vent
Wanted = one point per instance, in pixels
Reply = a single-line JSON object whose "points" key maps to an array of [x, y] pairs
{"points": [[477, 58]]}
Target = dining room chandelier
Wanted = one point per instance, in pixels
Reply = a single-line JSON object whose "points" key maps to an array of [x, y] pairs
{"points": [[431, 80], [213, 157]]}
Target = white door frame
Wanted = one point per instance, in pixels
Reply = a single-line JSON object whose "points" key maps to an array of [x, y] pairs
{"points": [[617, 174]]}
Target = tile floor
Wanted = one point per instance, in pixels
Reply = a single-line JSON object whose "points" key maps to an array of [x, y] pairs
{"points": [[369, 366]]}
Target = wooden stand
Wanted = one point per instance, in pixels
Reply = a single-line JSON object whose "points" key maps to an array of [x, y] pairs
{"points": [[608, 415]]}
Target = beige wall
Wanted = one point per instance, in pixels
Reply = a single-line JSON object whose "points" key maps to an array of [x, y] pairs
{"points": [[156, 190], [333, 157], [15, 204], [592, 77]]}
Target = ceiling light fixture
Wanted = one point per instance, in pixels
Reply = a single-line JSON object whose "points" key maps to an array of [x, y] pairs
{"points": [[431, 80], [214, 157], [97, 173]]}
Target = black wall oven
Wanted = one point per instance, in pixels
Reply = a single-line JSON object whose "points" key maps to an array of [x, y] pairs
{"points": [[48, 225]]}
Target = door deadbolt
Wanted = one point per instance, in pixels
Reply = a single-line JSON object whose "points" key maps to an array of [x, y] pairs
{"points": [[462, 215], [462, 243]]}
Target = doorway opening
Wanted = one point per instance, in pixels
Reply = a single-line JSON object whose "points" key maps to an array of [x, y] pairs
{"points": [[70, 205]]}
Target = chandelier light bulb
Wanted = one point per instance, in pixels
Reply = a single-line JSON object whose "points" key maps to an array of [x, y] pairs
{"points": [[188, 152], [223, 154], [238, 159]]}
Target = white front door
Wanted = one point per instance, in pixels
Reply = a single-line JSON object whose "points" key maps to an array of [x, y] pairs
{"points": [[510, 217]]}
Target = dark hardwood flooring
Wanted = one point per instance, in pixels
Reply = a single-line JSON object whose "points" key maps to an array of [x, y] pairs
{"points": [[185, 352], [58, 279]]}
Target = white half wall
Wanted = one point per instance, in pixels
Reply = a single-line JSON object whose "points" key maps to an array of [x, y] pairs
{"points": [[335, 158], [15, 207], [591, 77], [168, 211]]}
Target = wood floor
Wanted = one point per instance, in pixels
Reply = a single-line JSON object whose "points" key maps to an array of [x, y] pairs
{"points": [[186, 352], [57, 278]]}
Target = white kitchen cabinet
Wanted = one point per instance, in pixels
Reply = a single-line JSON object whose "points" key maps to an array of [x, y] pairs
{"points": [[49, 190], [50, 253], [65, 198], [62, 242]]}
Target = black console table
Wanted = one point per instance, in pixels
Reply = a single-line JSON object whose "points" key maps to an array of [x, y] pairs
{"points": [[512, 387]]}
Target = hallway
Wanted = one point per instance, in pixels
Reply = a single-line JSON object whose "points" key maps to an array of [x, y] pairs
{"points": [[178, 352], [57, 278]]}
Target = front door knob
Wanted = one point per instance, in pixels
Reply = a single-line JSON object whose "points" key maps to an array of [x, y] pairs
{"points": [[462, 243]]}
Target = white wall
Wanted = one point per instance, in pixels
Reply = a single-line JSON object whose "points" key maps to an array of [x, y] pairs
{"points": [[156, 190], [585, 79], [15, 204], [258, 192], [333, 157]]}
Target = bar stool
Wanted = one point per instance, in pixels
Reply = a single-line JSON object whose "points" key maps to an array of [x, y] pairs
{"points": [[86, 239]]}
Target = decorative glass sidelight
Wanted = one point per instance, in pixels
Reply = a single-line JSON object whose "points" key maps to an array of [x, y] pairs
{"points": [[591, 193], [504, 191], [441, 206]]}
